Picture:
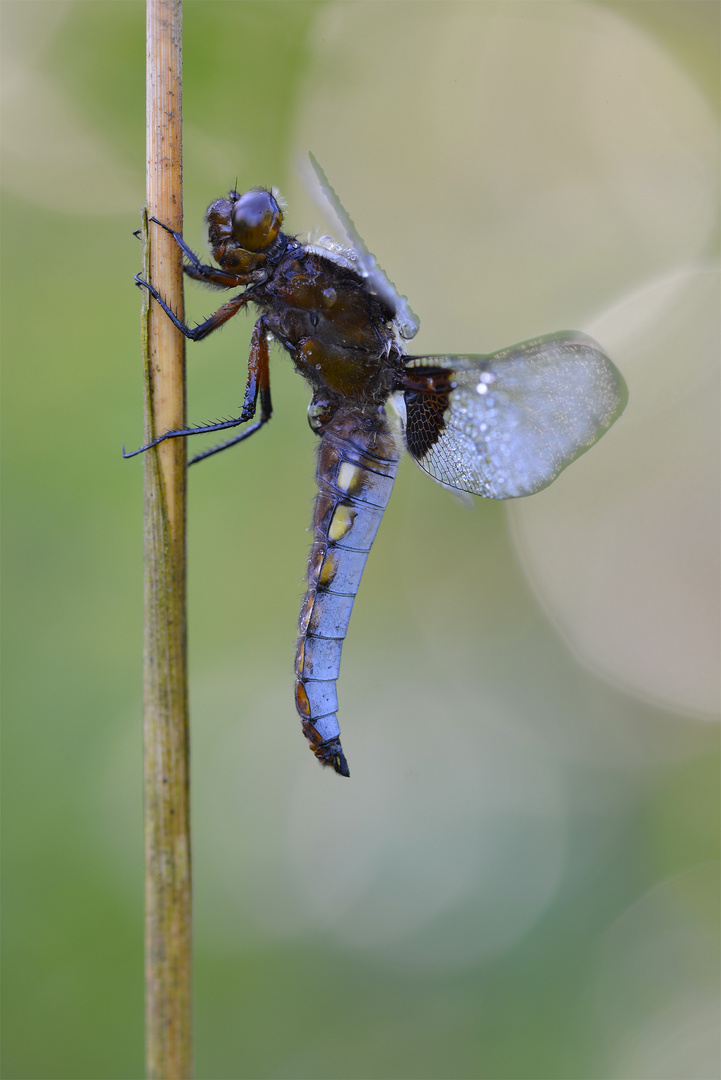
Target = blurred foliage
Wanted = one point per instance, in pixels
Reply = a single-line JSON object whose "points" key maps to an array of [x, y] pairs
{"points": [[275, 999]]}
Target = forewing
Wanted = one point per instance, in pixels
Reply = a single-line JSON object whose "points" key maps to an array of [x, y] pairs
{"points": [[380, 284], [510, 422]]}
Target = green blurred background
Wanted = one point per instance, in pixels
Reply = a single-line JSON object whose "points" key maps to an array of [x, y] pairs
{"points": [[520, 878]]}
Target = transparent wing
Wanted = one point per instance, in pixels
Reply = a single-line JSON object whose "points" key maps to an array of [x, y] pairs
{"points": [[406, 321], [510, 422]]}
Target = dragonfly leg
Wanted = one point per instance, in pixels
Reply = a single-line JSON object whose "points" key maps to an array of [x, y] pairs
{"points": [[178, 237], [197, 333], [200, 271], [210, 275], [257, 386]]}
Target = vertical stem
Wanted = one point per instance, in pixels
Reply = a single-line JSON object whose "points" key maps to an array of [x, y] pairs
{"points": [[168, 941]]}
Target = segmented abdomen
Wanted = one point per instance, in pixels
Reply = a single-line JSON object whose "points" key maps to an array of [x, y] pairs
{"points": [[357, 463]]}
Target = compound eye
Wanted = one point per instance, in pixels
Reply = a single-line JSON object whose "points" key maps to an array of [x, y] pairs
{"points": [[256, 220]]}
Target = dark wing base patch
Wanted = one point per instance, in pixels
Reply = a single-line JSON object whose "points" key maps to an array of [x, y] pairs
{"points": [[425, 419]]}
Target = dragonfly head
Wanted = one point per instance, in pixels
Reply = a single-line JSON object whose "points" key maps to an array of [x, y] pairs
{"points": [[244, 228]]}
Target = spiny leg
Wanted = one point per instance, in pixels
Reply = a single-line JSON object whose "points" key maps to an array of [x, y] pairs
{"points": [[258, 385], [197, 333], [202, 271], [204, 429]]}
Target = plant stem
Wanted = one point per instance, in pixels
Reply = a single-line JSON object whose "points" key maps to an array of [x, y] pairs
{"points": [[168, 941]]}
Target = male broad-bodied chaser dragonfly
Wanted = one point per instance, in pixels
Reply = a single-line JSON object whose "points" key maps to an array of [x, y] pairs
{"points": [[501, 426]]}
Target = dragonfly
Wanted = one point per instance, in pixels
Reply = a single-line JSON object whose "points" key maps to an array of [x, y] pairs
{"points": [[500, 426]]}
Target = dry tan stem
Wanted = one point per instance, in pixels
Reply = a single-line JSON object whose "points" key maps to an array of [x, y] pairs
{"points": [[168, 942]]}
